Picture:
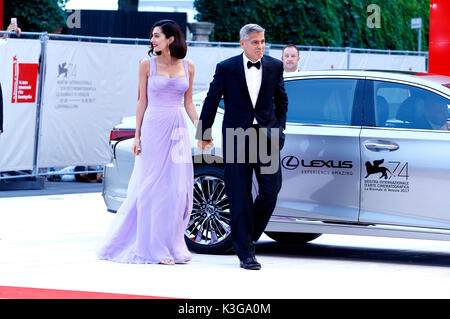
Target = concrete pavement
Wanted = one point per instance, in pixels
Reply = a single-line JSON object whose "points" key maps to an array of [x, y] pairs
{"points": [[49, 241]]}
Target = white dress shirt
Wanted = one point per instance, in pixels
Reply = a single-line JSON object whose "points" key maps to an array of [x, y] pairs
{"points": [[253, 77]]}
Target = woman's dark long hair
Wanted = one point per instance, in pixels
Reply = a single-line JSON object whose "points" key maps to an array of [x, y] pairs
{"points": [[178, 47]]}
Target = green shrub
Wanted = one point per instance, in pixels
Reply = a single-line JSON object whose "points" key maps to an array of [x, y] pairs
{"points": [[320, 22], [35, 16]]}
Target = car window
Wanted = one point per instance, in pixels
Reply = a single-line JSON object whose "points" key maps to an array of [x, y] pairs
{"points": [[404, 106], [321, 101], [222, 104]]}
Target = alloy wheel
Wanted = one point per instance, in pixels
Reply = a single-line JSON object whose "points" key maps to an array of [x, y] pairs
{"points": [[210, 218]]}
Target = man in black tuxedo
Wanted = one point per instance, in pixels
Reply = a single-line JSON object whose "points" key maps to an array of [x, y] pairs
{"points": [[255, 115]]}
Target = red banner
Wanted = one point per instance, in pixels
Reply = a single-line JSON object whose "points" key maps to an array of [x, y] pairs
{"points": [[439, 50], [1, 14], [24, 82]]}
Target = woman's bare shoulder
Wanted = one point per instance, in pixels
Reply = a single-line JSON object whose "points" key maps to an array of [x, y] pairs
{"points": [[144, 66], [190, 65]]}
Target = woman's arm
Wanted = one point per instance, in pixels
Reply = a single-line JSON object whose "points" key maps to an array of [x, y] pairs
{"points": [[188, 104], [12, 27], [144, 71]]}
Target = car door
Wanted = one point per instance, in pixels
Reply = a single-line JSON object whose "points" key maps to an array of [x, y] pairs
{"points": [[405, 148], [320, 160]]}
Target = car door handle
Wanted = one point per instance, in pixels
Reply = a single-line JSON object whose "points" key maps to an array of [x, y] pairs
{"points": [[381, 146]]}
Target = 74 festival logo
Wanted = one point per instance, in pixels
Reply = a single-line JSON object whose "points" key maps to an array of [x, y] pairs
{"points": [[397, 169]]}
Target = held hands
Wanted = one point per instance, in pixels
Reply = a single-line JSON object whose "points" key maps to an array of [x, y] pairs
{"points": [[205, 145], [136, 147]]}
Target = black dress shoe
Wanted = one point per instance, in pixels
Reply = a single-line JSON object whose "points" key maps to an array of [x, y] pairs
{"points": [[250, 263]]}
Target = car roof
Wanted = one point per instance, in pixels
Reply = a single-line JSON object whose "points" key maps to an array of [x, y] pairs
{"points": [[435, 81]]}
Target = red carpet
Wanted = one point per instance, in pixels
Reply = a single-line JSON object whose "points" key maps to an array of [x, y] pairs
{"points": [[7, 292]]}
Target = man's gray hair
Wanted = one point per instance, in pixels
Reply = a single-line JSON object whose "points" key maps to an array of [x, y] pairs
{"points": [[249, 28]]}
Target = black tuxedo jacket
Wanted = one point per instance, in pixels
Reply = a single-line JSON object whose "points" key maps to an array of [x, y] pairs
{"points": [[229, 81]]}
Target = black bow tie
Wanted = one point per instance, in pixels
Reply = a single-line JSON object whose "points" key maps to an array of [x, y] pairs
{"points": [[256, 65]]}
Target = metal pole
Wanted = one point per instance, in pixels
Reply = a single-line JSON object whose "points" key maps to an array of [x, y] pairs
{"points": [[348, 51], [37, 134], [419, 40], [52, 173]]}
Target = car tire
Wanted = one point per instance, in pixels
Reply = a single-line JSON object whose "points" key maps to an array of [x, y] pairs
{"points": [[292, 238], [209, 229]]}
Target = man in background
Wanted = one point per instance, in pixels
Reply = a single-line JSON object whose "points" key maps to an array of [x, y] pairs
{"points": [[290, 57]]}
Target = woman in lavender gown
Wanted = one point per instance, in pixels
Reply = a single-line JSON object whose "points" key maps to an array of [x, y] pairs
{"points": [[149, 226]]}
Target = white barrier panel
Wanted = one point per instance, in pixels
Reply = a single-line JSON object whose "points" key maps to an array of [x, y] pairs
{"points": [[317, 60], [321, 60], [19, 60], [324, 60], [388, 62], [205, 60], [88, 88]]}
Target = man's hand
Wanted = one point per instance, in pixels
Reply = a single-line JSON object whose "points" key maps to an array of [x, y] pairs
{"points": [[205, 145]]}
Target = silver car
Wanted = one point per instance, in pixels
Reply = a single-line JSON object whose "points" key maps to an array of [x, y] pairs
{"points": [[366, 153]]}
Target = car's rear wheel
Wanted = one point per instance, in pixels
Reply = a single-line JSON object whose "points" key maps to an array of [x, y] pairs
{"points": [[292, 238], [209, 229]]}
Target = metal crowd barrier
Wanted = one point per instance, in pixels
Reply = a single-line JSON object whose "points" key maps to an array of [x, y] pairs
{"points": [[45, 37]]}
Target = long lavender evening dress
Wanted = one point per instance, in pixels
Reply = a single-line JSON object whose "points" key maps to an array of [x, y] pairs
{"points": [[149, 226]]}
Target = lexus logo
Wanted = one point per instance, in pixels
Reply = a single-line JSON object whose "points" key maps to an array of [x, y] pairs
{"points": [[290, 162]]}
